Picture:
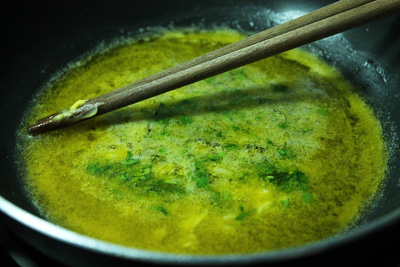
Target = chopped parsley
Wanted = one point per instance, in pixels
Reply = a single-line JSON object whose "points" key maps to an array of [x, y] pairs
{"points": [[243, 213], [283, 125], [307, 130], [235, 127], [220, 198], [231, 147], [162, 209], [284, 180], [286, 152], [216, 156], [279, 88], [185, 120], [285, 203], [98, 169], [322, 111], [201, 176], [308, 197], [134, 174], [129, 160]]}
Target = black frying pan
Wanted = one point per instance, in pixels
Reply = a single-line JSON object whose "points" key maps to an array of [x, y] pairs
{"points": [[40, 38]]}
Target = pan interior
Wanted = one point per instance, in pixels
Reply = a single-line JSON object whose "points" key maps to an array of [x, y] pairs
{"points": [[377, 82], [272, 155]]}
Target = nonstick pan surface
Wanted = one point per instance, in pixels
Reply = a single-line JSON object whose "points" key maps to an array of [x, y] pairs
{"points": [[41, 37]]}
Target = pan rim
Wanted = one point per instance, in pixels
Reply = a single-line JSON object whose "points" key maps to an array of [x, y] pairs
{"points": [[58, 233]]}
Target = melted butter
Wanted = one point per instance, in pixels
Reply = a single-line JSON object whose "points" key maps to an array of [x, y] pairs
{"points": [[291, 110], [77, 104]]}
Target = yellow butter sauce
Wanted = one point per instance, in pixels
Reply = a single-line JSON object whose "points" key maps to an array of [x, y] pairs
{"points": [[272, 155]]}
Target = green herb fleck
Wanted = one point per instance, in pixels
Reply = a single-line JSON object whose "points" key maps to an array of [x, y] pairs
{"points": [[220, 198], [185, 120], [98, 169], [279, 88], [200, 176], [162, 209], [157, 158], [283, 125], [322, 111], [308, 197], [284, 180], [285, 203], [79, 151], [116, 192], [307, 130], [243, 213], [226, 196], [129, 160], [215, 157], [231, 147], [161, 187], [219, 134], [286, 152], [133, 174]]}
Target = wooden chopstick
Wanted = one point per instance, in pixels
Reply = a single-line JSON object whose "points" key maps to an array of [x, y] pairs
{"points": [[329, 20]]}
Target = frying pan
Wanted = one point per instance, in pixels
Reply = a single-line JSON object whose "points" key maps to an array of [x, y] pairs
{"points": [[41, 37]]}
